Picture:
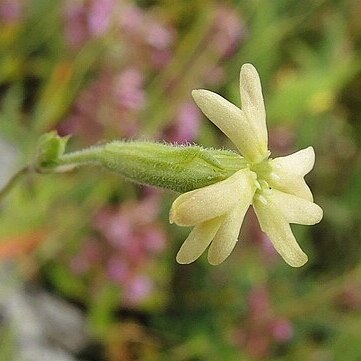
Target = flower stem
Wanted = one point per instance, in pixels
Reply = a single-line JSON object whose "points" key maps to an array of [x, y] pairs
{"points": [[86, 156], [13, 180]]}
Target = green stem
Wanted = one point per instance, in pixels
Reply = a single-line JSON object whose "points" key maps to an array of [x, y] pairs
{"points": [[86, 156], [13, 180]]}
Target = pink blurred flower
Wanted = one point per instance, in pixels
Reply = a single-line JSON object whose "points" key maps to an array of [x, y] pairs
{"points": [[86, 19], [75, 24], [160, 58], [131, 18], [158, 36], [110, 104], [133, 228], [268, 251], [150, 39], [262, 327], [115, 227], [128, 89], [100, 16], [89, 255], [229, 31], [282, 140], [154, 239], [118, 270], [135, 286], [160, 39], [349, 297], [145, 28], [185, 127], [258, 302], [213, 75], [129, 236], [282, 330], [11, 11], [137, 290]]}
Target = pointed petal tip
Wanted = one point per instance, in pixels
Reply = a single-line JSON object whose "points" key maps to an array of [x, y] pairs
{"points": [[299, 163], [310, 149], [195, 91], [198, 93], [310, 152]]}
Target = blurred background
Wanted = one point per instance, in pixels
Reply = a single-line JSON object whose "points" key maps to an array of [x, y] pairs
{"points": [[87, 261]]}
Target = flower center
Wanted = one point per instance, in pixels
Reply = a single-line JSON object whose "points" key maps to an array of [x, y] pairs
{"points": [[263, 172]]}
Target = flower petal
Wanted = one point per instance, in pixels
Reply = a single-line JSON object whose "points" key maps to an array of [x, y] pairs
{"points": [[299, 163], [227, 235], [287, 173], [279, 232], [198, 240], [295, 209], [232, 122], [292, 184], [252, 101], [214, 200]]}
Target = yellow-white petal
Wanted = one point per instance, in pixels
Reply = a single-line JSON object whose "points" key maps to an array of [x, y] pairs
{"points": [[287, 173], [227, 235], [295, 209], [232, 122], [198, 240], [279, 232], [299, 163], [292, 184], [214, 200], [252, 101]]}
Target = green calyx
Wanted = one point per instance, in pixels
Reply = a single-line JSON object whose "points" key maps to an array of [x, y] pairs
{"points": [[50, 148], [180, 168]]}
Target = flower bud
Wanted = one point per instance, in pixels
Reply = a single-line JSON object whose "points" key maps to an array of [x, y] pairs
{"points": [[50, 148]]}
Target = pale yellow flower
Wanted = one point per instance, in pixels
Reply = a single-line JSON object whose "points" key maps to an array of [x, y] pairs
{"points": [[274, 187]]}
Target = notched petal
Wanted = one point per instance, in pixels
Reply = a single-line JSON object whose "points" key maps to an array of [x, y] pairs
{"points": [[198, 240], [227, 235], [292, 184], [232, 122], [299, 163], [252, 101], [295, 209], [279, 232]]}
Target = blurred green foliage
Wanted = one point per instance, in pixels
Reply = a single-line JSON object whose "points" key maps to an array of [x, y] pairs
{"points": [[57, 73]]}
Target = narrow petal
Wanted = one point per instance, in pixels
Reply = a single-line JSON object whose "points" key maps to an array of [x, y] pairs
{"points": [[252, 101], [232, 122], [299, 163], [279, 232], [227, 235], [214, 200], [198, 240], [295, 209]]}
